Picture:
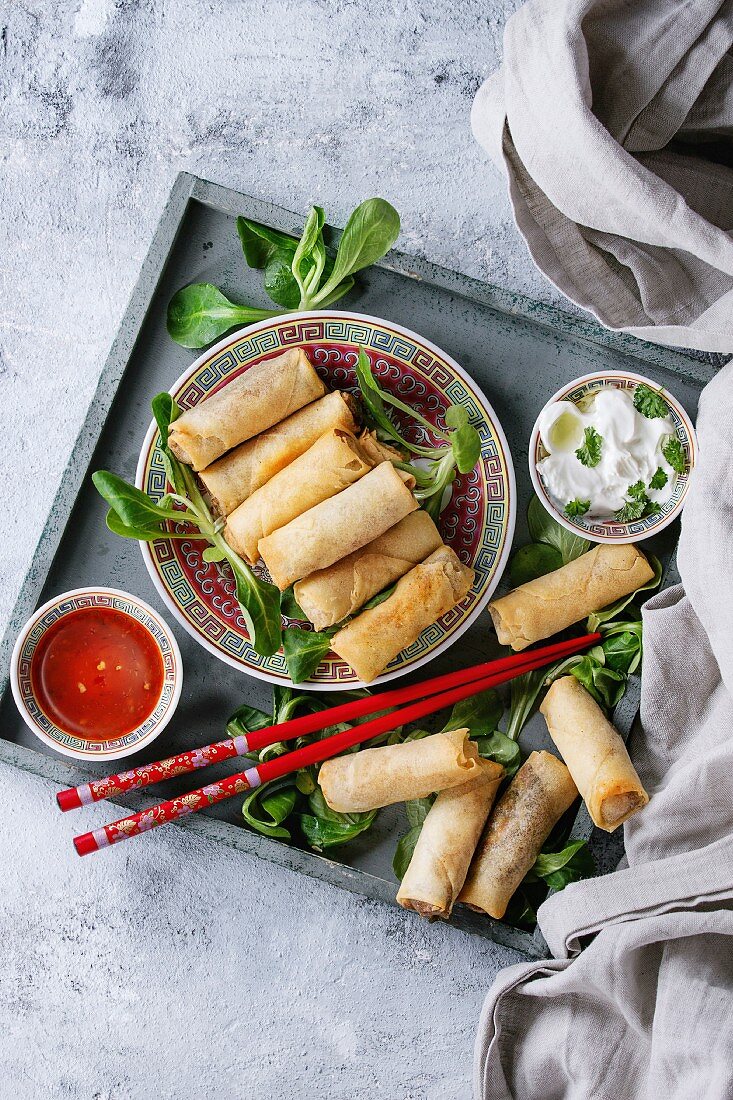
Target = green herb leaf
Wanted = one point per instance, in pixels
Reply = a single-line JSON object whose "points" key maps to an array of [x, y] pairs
{"points": [[576, 507], [260, 604], [590, 451], [659, 480], [537, 559], [133, 507], [502, 750], [465, 440], [649, 402], [198, 314], [674, 453], [543, 528], [605, 684], [623, 651], [632, 510], [417, 809], [480, 714], [325, 828], [405, 851], [259, 242], [140, 534], [304, 650], [574, 862], [280, 283], [290, 606], [267, 807], [369, 233]]}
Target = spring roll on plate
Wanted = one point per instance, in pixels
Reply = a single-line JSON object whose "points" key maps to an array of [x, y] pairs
{"points": [[370, 641], [257, 399], [335, 461], [372, 778], [338, 526], [533, 803], [447, 842], [236, 476], [594, 753], [552, 603], [330, 595]]}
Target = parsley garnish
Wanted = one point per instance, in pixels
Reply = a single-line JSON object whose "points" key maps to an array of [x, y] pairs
{"points": [[659, 480], [576, 508], [649, 402], [638, 506], [590, 452], [673, 452]]}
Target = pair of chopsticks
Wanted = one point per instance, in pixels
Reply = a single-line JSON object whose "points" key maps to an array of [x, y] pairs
{"points": [[425, 698]]}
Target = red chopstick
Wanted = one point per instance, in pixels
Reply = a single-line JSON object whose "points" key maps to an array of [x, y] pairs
{"points": [[185, 762], [310, 754]]}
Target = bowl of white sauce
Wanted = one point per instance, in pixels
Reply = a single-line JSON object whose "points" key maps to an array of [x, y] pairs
{"points": [[610, 456]]}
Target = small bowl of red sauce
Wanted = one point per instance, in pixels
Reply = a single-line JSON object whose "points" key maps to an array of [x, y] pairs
{"points": [[96, 674]]}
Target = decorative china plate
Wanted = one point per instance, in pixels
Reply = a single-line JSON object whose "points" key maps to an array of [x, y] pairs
{"points": [[478, 522]]}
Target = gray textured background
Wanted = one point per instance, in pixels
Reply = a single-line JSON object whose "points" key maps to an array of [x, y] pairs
{"points": [[188, 967]]}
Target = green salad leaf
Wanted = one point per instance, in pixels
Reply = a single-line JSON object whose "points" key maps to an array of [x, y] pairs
{"points": [[613, 611], [574, 862], [299, 272], [304, 650], [532, 561], [543, 528], [326, 828]]}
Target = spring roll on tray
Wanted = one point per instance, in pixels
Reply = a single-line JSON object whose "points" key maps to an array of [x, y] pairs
{"points": [[370, 641], [257, 399], [338, 526], [533, 803], [549, 604], [366, 780], [237, 475], [594, 753], [335, 461], [330, 595], [447, 842]]}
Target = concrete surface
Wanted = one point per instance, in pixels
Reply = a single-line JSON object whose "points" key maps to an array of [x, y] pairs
{"points": [[183, 969]]}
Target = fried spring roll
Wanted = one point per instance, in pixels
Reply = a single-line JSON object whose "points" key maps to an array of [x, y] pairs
{"points": [[549, 604], [236, 476], [257, 399], [533, 803], [594, 753], [337, 526], [447, 842], [370, 641], [335, 461], [372, 778], [331, 595], [378, 451]]}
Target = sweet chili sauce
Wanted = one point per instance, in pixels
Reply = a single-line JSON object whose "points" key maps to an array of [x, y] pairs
{"points": [[97, 673]]}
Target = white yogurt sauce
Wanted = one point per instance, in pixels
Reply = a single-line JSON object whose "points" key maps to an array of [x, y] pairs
{"points": [[631, 451]]}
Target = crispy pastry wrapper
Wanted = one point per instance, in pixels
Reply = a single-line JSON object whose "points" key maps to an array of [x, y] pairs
{"points": [[594, 752], [330, 595], [535, 800], [338, 526], [237, 475], [257, 399], [370, 641], [378, 451], [552, 603], [447, 842], [372, 778], [335, 461]]}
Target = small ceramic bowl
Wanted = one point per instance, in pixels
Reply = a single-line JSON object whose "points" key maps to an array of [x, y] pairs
{"points": [[39, 722], [611, 530]]}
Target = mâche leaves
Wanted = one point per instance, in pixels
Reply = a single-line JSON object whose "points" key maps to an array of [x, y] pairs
{"points": [[649, 402], [299, 272], [325, 828], [537, 559], [198, 314], [572, 863], [133, 514], [304, 650], [501, 749], [404, 851], [589, 453], [543, 528], [674, 453]]}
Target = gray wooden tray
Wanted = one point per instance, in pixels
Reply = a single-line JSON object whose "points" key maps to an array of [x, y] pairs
{"points": [[519, 351]]}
